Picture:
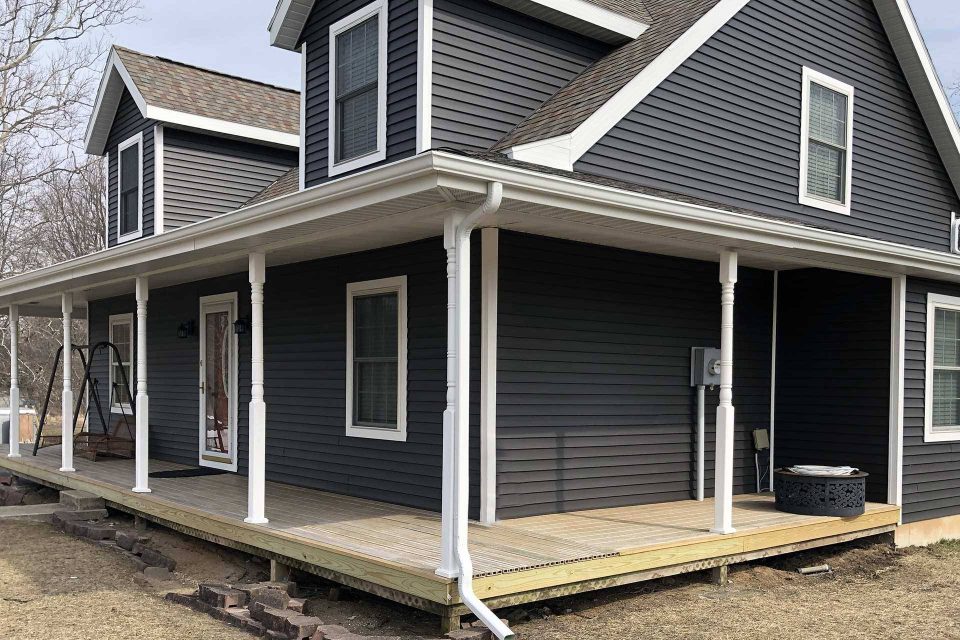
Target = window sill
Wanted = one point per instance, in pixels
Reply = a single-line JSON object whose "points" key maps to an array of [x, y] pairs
{"points": [[127, 409], [133, 235], [942, 436], [378, 433], [826, 205], [337, 168]]}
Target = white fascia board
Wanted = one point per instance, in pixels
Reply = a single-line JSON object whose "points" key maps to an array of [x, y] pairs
{"points": [[233, 129], [610, 26], [115, 77], [626, 99], [914, 58], [549, 152]]}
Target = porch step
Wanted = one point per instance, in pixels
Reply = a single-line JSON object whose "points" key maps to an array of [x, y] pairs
{"points": [[32, 512], [80, 500]]}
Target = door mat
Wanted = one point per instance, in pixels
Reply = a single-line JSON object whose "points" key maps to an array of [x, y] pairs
{"points": [[188, 473]]}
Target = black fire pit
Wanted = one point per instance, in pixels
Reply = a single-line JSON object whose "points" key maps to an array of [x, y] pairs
{"points": [[820, 495]]}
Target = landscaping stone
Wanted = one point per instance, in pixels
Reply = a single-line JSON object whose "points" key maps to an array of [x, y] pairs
{"points": [[6, 478], [473, 633], [126, 539], [97, 531], [272, 598], [156, 559], [299, 626], [271, 618], [220, 595], [296, 604], [12, 497], [287, 586], [85, 514], [81, 500]]}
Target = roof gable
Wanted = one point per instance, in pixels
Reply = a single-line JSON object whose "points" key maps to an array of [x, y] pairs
{"points": [[565, 127], [194, 98]]}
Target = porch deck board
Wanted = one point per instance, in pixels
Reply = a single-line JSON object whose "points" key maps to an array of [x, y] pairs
{"points": [[398, 547]]}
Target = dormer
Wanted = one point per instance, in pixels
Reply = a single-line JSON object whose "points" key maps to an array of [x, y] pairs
{"points": [[184, 144]]}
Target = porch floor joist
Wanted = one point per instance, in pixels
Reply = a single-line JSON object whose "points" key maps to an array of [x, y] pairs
{"points": [[392, 550]]}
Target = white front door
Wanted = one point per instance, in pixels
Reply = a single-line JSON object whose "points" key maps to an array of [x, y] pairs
{"points": [[218, 382]]}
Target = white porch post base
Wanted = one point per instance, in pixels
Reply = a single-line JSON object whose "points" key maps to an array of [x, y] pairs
{"points": [[257, 474], [142, 450], [66, 428], [14, 423], [723, 490], [14, 434]]}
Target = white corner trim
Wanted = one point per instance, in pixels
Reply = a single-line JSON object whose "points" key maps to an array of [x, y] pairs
{"points": [[119, 318], [489, 277], [396, 285], [935, 301], [773, 373], [626, 99], [106, 201], [204, 456], [424, 75], [136, 139], [380, 153], [192, 121], [158, 192], [302, 169], [898, 313], [811, 76], [609, 26]]}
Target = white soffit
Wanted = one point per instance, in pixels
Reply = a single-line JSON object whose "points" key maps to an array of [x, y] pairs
{"points": [[287, 23]]}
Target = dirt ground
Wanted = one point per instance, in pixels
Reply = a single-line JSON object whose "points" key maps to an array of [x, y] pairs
{"points": [[54, 586]]}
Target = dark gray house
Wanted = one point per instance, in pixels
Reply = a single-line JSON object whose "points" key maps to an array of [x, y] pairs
{"points": [[443, 417]]}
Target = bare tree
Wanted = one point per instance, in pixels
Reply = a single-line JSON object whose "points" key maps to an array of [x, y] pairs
{"points": [[68, 212]]}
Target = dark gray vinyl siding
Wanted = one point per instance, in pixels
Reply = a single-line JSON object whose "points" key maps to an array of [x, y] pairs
{"points": [[594, 406], [401, 80], [833, 372], [205, 176], [492, 67], [305, 368], [128, 122], [726, 125], [931, 471]]}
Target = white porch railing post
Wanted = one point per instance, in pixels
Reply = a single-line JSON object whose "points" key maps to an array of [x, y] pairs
{"points": [[723, 489], [14, 382], [448, 561], [66, 428], [142, 482], [256, 476]]}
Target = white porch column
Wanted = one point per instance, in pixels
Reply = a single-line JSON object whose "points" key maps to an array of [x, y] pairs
{"points": [[14, 382], [256, 476], [448, 562], [66, 429], [143, 401], [723, 476]]}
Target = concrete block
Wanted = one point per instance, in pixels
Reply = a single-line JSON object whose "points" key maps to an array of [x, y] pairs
{"points": [[220, 595], [272, 598], [156, 559], [80, 500]]}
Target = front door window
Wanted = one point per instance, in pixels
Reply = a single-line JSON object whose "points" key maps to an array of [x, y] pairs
{"points": [[218, 382]]}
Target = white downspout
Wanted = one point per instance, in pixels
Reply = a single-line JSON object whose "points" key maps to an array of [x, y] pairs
{"points": [[461, 465]]}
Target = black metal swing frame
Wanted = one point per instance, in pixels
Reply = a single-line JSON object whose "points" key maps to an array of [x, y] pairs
{"points": [[110, 442]]}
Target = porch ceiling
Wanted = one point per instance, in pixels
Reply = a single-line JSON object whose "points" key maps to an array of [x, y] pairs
{"points": [[408, 200]]}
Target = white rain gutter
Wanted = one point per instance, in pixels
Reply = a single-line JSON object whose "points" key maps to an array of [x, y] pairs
{"points": [[461, 463]]}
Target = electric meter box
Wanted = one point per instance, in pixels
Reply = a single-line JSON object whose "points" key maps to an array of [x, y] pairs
{"points": [[704, 366]]}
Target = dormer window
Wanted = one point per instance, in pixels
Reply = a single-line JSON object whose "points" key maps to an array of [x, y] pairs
{"points": [[130, 188], [358, 89], [826, 143]]}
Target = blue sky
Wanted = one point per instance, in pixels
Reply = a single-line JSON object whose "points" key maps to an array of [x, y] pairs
{"points": [[231, 36]]}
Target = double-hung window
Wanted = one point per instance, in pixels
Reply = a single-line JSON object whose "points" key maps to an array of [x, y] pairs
{"points": [[826, 144], [130, 188], [377, 359], [358, 89], [942, 400], [121, 368]]}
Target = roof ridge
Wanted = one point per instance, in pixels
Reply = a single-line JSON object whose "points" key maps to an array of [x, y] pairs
{"points": [[188, 65]]}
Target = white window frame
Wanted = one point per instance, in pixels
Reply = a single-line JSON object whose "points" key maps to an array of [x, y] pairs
{"points": [[934, 302], [396, 285], [380, 153], [120, 318], [812, 76], [129, 142]]}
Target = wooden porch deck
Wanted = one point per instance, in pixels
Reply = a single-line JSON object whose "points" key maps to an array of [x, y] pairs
{"points": [[393, 551]]}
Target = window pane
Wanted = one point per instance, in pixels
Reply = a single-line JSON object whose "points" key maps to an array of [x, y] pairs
{"points": [[825, 172], [828, 115], [357, 57], [358, 124], [946, 398], [375, 326], [129, 189], [946, 335], [375, 386], [121, 338]]}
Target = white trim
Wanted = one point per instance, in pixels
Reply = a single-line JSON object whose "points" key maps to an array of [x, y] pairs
{"points": [[379, 7], [935, 301], [773, 370], [302, 169], [489, 284], [424, 75], [288, 21], [231, 300], [564, 151], [898, 331], [204, 123], [136, 139], [119, 318], [396, 285], [106, 201], [725, 431], [158, 193], [582, 17], [811, 76]]}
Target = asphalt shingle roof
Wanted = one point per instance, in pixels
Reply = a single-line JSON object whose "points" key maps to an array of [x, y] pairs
{"points": [[572, 105], [286, 184], [188, 89], [631, 8]]}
